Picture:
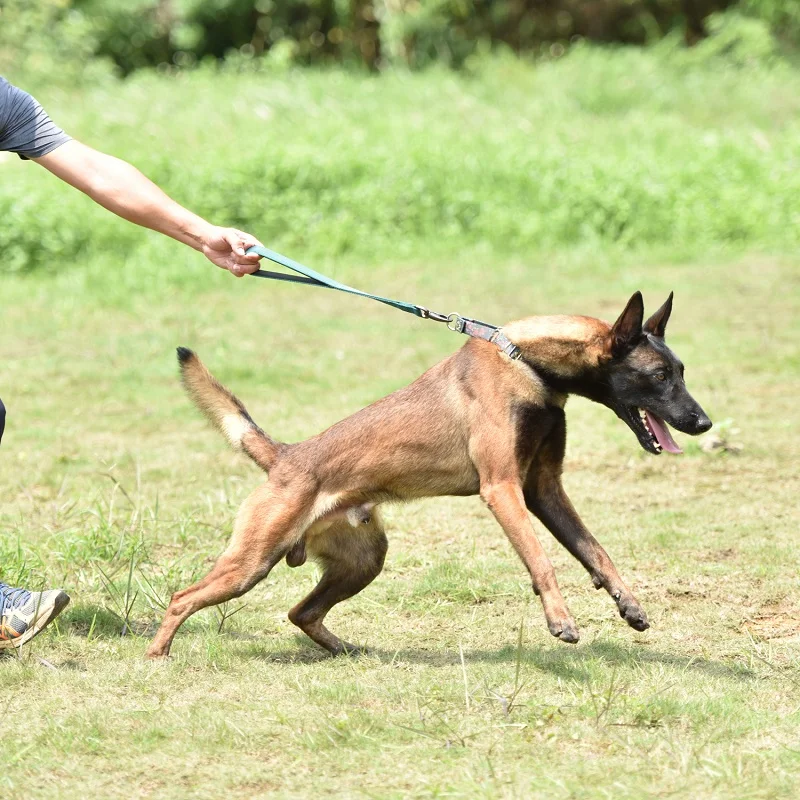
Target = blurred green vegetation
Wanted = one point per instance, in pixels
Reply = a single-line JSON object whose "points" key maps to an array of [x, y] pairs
{"points": [[680, 148], [632, 149], [130, 34]]}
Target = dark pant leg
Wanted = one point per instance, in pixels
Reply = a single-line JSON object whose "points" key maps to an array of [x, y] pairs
{"points": [[2, 419]]}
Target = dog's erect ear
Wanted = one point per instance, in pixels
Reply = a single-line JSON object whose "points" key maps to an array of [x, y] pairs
{"points": [[658, 322], [627, 329]]}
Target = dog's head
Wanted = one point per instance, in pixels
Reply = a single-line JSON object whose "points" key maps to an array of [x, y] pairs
{"points": [[643, 380]]}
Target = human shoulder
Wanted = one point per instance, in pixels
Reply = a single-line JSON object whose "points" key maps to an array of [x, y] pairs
{"points": [[10, 99], [25, 127]]}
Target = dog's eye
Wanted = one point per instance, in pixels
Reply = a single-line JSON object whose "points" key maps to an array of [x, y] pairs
{"points": [[660, 376]]}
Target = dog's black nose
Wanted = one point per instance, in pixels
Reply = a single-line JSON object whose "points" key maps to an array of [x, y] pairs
{"points": [[701, 422]]}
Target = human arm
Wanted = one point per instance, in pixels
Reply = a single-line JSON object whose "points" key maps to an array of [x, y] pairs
{"points": [[126, 192]]}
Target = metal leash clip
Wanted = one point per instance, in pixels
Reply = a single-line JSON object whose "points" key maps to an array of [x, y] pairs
{"points": [[426, 313], [455, 322]]}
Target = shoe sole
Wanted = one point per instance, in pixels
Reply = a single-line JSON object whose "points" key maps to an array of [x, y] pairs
{"points": [[45, 615]]}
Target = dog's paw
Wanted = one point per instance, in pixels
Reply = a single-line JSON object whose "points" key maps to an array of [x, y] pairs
{"points": [[161, 658], [564, 629], [157, 654], [347, 649], [632, 613]]}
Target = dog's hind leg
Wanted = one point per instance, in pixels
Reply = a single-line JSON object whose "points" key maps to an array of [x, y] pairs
{"points": [[266, 527], [352, 557]]}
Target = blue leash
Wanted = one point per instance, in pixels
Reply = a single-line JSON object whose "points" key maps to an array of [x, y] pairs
{"points": [[455, 322]]}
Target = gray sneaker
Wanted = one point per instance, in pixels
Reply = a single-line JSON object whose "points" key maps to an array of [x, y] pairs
{"points": [[23, 614]]}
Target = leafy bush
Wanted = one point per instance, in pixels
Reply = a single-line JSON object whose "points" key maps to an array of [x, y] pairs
{"points": [[376, 33], [181, 33], [132, 33], [783, 16], [734, 39], [46, 42], [449, 31]]}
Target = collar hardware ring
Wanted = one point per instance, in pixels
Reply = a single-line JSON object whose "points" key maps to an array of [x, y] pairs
{"points": [[455, 322]]}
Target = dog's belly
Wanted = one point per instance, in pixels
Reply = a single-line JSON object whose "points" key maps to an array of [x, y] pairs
{"points": [[415, 483], [437, 485]]}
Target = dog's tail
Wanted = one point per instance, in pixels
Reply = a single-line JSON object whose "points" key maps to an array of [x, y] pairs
{"points": [[226, 412]]}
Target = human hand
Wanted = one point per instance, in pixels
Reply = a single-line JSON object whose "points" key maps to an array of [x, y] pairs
{"points": [[226, 247]]}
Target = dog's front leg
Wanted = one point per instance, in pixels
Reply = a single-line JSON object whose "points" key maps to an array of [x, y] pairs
{"points": [[546, 498], [506, 502]]}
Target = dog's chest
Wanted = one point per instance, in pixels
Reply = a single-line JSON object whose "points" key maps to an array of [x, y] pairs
{"points": [[532, 425]]}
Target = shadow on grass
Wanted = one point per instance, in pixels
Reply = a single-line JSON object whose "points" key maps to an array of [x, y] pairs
{"points": [[571, 662], [295, 649], [563, 662], [101, 622]]}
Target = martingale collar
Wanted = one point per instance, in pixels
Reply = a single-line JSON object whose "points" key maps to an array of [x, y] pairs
{"points": [[476, 329], [493, 334]]}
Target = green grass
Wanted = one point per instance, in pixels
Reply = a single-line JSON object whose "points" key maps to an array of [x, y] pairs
{"points": [[108, 471]]}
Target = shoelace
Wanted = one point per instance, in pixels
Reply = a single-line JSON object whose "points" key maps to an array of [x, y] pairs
{"points": [[11, 598]]}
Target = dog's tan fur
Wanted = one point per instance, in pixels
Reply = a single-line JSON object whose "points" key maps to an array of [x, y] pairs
{"points": [[476, 423]]}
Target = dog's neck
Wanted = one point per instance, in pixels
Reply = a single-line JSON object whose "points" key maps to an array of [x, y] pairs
{"points": [[566, 351]]}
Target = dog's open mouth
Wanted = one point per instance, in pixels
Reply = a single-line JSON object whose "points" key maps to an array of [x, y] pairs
{"points": [[652, 431]]}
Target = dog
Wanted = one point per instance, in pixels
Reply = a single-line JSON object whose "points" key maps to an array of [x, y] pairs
{"points": [[478, 422]]}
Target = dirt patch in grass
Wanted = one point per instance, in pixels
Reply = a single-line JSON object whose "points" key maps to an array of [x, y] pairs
{"points": [[775, 622]]}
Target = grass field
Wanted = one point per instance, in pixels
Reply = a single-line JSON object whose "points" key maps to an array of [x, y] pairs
{"points": [[112, 486]]}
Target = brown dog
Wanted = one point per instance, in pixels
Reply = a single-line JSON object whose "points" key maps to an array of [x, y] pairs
{"points": [[476, 423]]}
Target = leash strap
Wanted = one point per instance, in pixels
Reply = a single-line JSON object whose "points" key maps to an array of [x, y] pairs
{"points": [[455, 322]]}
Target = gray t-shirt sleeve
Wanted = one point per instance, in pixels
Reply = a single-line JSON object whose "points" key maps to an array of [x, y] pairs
{"points": [[25, 128]]}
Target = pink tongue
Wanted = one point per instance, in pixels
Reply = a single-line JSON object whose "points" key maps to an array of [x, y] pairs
{"points": [[661, 431]]}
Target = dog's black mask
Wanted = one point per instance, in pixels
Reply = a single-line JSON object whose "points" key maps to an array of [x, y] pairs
{"points": [[644, 380]]}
